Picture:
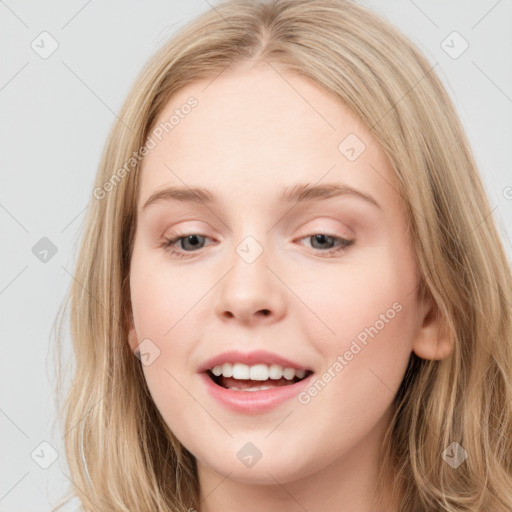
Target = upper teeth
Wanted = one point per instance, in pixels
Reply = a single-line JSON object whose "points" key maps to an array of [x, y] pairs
{"points": [[256, 372]]}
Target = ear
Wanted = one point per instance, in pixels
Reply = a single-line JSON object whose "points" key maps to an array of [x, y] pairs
{"points": [[132, 334], [434, 339]]}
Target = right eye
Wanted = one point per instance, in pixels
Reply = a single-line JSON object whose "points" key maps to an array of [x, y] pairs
{"points": [[192, 240]]}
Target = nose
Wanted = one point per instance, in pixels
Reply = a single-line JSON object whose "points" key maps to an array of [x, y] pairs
{"points": [[251, 292]]}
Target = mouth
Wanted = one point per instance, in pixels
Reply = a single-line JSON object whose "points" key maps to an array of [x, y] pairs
{"points": [[260, 377]]}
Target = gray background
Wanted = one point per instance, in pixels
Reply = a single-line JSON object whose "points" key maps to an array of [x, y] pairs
{"points": [[56, 113]]}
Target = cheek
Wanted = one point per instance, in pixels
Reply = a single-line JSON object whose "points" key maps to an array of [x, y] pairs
{"points": [[371, 322], [364, 365], [353, 296], [372, 340], [162, 294], [167, 310]]}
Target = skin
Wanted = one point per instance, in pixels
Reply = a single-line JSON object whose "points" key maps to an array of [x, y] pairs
{"points": [[254, 131]]}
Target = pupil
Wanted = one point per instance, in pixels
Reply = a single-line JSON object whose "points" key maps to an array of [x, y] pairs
{"points": [[191, 239], [321, 238]]}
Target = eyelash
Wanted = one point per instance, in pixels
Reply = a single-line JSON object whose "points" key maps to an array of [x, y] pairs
{"points": [[169, 242]]}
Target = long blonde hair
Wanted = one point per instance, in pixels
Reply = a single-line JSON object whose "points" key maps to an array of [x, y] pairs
{"points": [[121, 454]]}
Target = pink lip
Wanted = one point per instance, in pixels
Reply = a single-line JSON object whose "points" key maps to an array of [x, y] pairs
{"points": [[250, 358], [254, 402]]}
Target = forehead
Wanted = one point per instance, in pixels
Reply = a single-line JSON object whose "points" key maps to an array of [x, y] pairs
{"points": [[256, 130]]}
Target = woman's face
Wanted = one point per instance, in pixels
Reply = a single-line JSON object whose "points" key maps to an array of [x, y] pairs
{"points": [[271, 277]]}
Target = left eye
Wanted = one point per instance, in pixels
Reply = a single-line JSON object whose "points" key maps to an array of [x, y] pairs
{"points": [[322, 239]]}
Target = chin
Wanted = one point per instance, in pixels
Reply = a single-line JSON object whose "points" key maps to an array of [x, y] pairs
{"points": [[266, 471]]}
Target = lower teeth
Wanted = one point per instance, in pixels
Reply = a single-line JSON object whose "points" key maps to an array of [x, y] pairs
{"points": [[250, 389]]}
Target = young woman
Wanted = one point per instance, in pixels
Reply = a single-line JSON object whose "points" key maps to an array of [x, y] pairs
{"points": [[290, 294]]}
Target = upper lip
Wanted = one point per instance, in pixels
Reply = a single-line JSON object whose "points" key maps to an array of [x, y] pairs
{"points": [[250, 358]]}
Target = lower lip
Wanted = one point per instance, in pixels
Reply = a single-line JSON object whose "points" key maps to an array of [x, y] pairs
{"points": [[253, 402]]}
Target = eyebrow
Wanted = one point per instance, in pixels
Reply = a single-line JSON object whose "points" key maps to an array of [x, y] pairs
{"points": [[299, 193]]}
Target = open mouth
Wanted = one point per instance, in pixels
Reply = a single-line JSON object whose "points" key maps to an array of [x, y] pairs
{"points": [[234, 384]]}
